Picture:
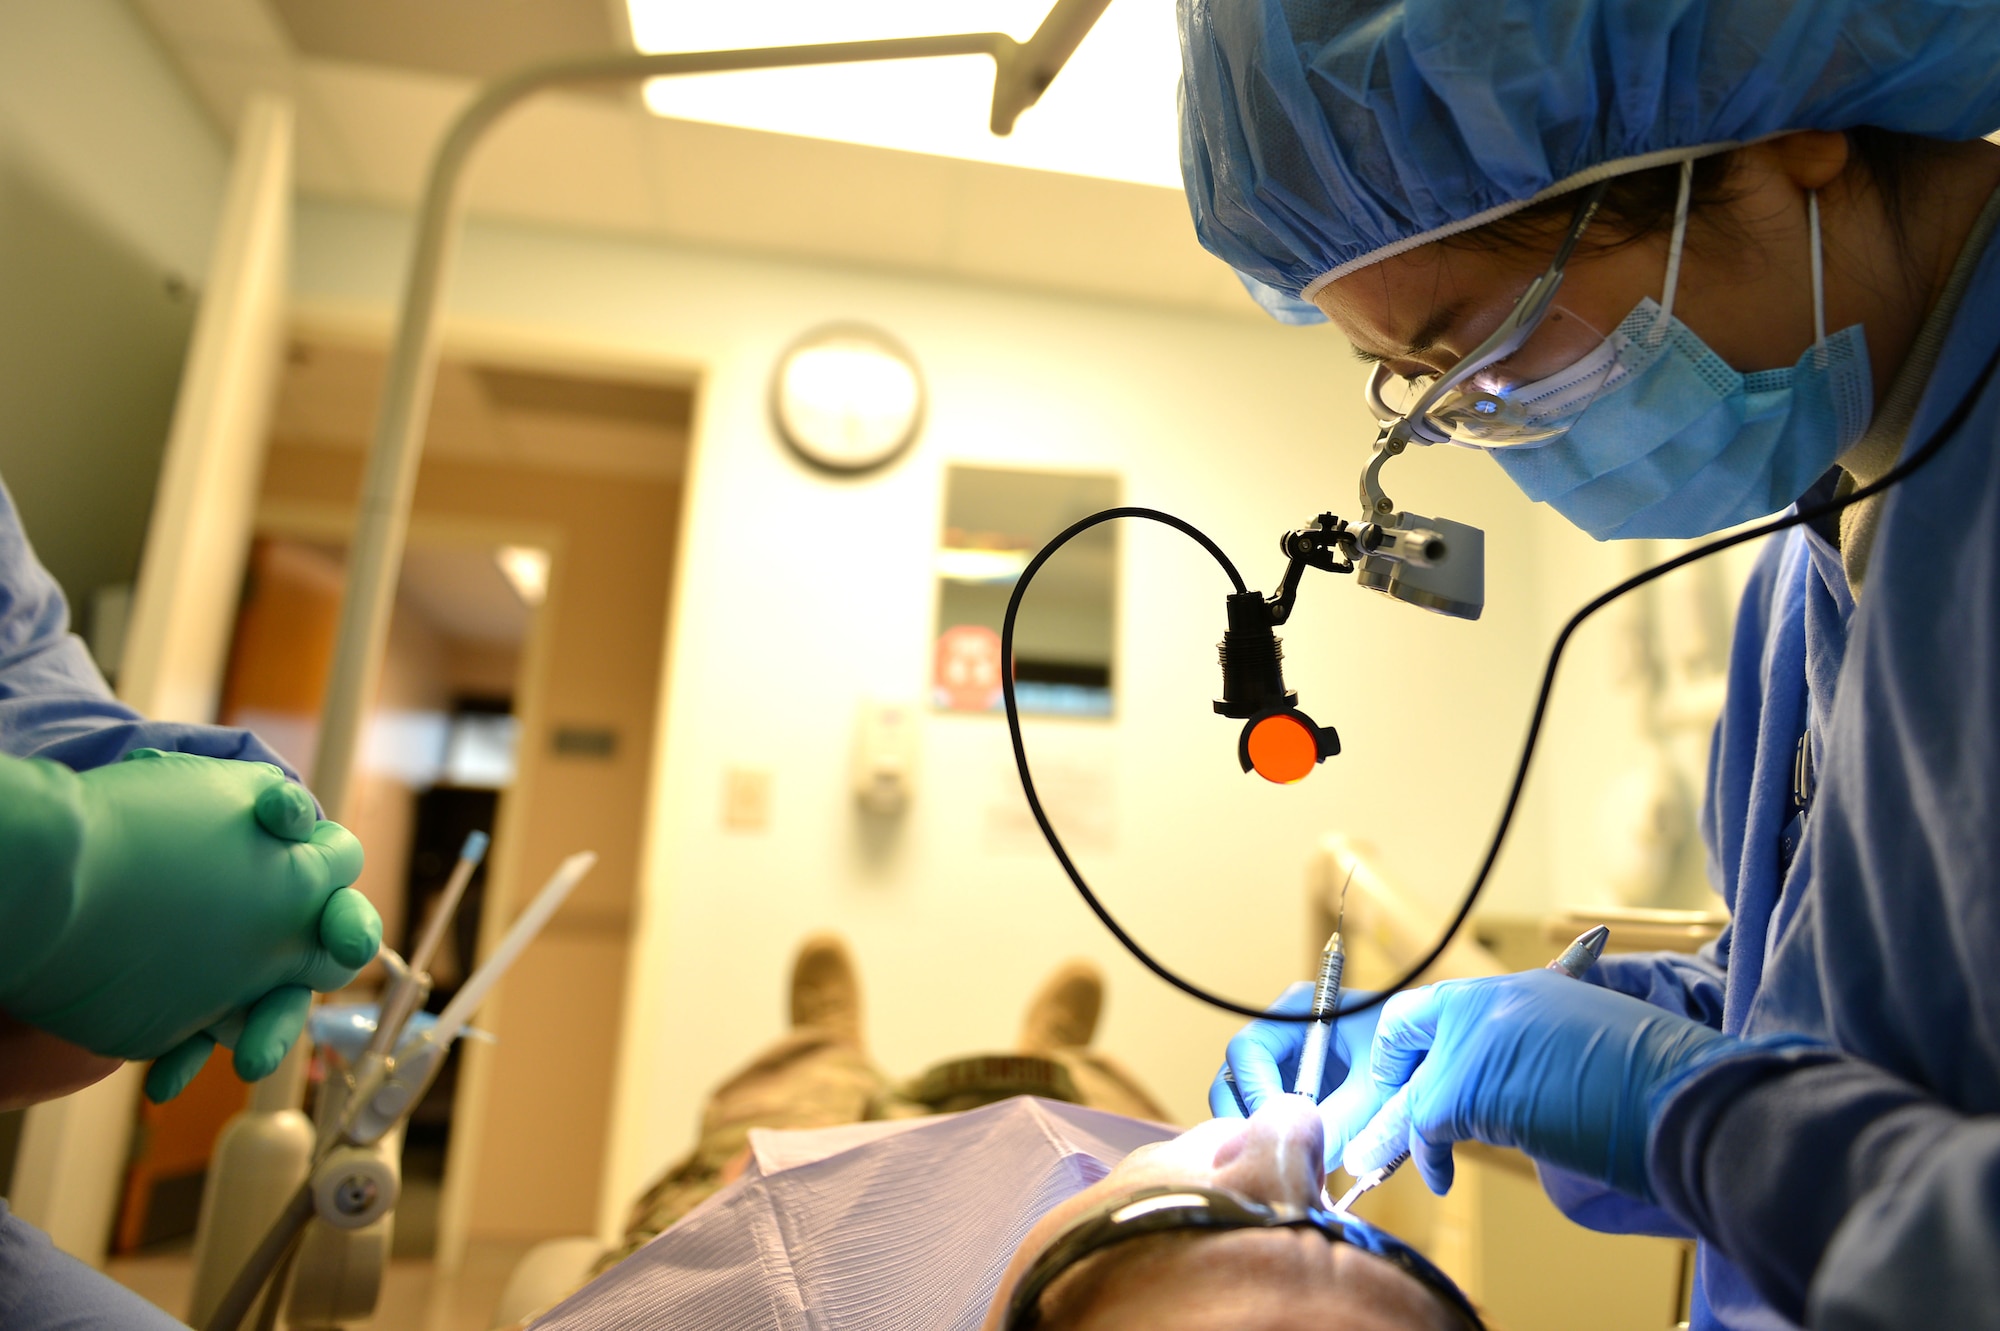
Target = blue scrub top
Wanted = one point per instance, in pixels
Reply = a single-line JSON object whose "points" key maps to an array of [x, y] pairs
{"points": [[1845, 1171], [54, 702]]}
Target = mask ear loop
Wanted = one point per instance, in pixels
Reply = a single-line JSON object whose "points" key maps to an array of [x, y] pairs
{"points": [[1658, 332], [1818, 280]]}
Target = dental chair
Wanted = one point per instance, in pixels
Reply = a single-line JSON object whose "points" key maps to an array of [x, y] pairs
{"points": [[549, 1270]]}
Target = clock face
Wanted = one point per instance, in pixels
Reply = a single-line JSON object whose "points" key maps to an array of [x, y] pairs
{"points": [[847, 398]]}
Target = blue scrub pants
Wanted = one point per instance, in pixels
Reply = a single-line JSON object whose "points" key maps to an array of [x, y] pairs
{"points": [[43, 1288]]}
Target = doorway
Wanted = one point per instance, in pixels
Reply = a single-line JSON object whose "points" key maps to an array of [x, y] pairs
{"points": [[520, 695]]}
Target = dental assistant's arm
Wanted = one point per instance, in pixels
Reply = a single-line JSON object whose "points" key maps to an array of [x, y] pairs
{"points": [[152, 906], [36, 1066], [40, 835], [54, 703]]}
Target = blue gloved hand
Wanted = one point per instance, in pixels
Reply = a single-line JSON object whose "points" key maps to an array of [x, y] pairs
{"points": [[150, 907], [1570, 1073], [1262, 1059]]}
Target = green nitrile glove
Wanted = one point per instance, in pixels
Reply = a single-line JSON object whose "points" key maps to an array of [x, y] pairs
{"points": [[154, 906]]}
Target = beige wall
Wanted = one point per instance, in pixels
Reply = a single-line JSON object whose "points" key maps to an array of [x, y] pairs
{"points": [[531, 1125], [1639, 691], [111, 183]]}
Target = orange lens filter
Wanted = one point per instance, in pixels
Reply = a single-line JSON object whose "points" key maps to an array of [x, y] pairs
{"points": [[1283, 748]]}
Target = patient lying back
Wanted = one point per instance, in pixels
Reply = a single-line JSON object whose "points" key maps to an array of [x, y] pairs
{"points": [[932, 1223], [820, 1196], [1267, 1278]]}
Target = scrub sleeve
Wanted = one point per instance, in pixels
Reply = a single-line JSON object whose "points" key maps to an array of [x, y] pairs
{"points": [[54, 702], [45, 1289]]}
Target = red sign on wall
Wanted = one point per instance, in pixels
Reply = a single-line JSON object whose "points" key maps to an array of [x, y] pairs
{"points": [[967, 672]]}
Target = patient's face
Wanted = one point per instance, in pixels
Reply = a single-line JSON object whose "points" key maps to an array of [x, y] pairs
{"points": [[1246, 1280]]}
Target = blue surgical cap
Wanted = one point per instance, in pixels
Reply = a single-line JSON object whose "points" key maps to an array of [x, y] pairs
{"points": [[1318, 136]]}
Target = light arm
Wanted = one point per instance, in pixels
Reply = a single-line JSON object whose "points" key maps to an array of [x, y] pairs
{"points": [[1023, 70]]}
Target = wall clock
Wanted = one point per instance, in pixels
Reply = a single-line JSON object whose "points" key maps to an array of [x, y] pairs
{"points": [[847, 399]]}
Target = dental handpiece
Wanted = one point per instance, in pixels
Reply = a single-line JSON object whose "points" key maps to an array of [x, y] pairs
{"points": [[1326, 1003], [1577, 959], [1575, 962]]}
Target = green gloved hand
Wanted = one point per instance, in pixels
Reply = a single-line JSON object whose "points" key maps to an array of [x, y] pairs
{"points": [[154, 906]]}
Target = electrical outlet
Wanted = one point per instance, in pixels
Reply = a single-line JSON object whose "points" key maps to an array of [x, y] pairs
{"points": [[746, 799]]}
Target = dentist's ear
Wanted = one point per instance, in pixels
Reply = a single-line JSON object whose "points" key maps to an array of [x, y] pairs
{"points": [[1811, 159]]}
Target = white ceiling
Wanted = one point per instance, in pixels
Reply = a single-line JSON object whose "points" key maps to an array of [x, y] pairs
{"points": [[493, 414], [367, 123], [460, 590], [475, 38]]}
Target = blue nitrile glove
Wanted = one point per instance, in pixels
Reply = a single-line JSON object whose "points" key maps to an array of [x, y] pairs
{"points": [[1569, 1073], [154, 906], [1262, 1059]]}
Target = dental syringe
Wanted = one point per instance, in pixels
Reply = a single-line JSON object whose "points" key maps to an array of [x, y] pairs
{"points": [[1575, 962], [1326, 1003]]}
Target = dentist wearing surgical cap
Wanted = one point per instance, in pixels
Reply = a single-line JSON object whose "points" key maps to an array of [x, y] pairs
{"points": [[1790, 280], [163, 887]]}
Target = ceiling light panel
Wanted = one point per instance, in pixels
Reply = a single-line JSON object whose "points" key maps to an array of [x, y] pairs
{"points": [[1110, 113]]}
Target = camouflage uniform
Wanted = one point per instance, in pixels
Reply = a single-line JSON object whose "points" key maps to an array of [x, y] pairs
{"points": [[815, 1078]]}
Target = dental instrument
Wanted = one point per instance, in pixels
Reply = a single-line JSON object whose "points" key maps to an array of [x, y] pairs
{"points": [[402, 1085], [1575, 962], [349, 1186], [469, 857], [1582, 953], [410, 985], [1326, 1003]]}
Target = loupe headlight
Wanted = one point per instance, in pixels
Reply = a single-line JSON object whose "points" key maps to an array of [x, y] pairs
{"points": [[1432, 563]]}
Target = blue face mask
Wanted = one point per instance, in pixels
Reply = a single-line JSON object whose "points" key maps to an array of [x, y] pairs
{"points": [[1677, 444], [1681, 445]]}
